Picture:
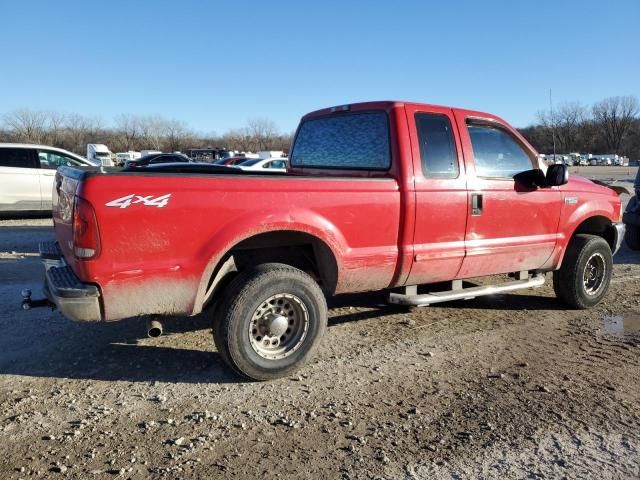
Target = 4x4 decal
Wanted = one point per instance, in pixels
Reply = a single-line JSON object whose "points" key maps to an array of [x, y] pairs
{"points": [[147, 201]]}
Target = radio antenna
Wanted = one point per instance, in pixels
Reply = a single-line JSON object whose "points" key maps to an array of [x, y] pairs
{"points": [[553, 126]]}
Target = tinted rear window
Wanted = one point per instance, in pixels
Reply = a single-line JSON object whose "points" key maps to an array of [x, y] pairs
{"points": [[437, 148], [17, 157], [347, 141]]}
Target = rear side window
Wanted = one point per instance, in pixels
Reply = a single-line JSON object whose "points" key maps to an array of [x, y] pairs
{"points": [[353, 141], [496, 153], [17, 157], [278, 164], [437, 147]]}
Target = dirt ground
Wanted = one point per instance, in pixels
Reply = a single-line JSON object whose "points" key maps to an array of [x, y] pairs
{"points": [[508, 386]]}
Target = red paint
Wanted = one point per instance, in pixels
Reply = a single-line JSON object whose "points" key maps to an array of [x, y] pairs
{"points": [[384, 228]]}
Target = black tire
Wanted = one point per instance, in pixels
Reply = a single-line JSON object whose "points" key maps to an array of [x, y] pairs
{"points": [[570, 284], [632, 237], [243, 300]]}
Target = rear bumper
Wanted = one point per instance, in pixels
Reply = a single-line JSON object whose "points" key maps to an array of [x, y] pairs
{"points": [[75, 300]]}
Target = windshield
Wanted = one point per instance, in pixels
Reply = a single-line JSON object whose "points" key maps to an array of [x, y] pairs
{"points": [[103, 154]]}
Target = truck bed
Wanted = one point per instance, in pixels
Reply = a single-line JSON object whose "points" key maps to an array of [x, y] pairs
{"points": [[163, 230]]}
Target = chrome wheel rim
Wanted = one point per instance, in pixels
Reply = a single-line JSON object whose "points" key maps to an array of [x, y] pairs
{"points": [[594, 274], [279, 326]]}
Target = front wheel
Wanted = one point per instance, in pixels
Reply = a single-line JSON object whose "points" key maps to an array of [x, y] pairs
{"points": [[271, 321], [585, 274]]}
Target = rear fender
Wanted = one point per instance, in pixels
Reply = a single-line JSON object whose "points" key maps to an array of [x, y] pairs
{"points": [[256, 223]]}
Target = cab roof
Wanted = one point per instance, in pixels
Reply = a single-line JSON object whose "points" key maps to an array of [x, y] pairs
{"points": [[391, 104]]}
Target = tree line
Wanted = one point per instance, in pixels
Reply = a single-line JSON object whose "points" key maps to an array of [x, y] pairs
{"points": [[133, 132], [611, 125]]}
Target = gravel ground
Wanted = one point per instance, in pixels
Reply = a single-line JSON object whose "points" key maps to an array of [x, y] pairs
{"points": [[508, 386]]}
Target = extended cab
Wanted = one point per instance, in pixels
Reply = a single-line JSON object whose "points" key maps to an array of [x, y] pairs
{"points": [[377, 196]]}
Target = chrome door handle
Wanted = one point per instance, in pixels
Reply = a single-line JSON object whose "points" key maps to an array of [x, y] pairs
{"points": [[476, 204]]}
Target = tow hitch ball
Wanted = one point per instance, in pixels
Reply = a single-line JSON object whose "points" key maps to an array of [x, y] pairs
{"points": [[28, 303]]}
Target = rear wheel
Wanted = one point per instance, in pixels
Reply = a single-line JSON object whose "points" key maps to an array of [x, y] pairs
{"points": [[270, 321], [585, 274]]}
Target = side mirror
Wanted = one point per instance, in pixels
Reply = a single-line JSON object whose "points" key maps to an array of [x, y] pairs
{"points": [[557, 174], [531, 178]]}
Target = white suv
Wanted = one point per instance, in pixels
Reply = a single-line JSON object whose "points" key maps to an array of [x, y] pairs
{"points": [[27, 173]]}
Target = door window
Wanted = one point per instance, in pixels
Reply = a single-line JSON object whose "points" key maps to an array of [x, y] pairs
{"points": [[54, 160], [437, 148], [17, 157], [496, 153]]}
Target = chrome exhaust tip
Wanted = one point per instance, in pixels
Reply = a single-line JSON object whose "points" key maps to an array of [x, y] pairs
{"points": [[154, 328]]}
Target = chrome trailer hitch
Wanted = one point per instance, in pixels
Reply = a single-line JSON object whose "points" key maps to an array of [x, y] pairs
{"points": [[28, 303]]}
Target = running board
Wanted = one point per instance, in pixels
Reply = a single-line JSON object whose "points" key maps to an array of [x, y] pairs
{"points": [[413, 299]]}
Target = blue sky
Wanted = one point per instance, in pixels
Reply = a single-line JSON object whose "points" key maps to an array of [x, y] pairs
{"points": [[216, 64]]}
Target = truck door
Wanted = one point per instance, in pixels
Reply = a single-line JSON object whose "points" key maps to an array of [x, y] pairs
{"points": [[441, 195], [510, 226]]}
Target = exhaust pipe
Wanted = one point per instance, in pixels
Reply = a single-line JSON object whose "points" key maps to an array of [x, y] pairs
{"points": [[154, 328]]}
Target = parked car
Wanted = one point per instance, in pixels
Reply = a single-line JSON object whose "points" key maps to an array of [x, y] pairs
{"points": [[122, 157], [378, 196], [269, 165], [156, 158], [27, 174]]}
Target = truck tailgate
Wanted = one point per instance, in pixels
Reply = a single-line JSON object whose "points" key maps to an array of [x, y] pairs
{"points": [[64, 191]]}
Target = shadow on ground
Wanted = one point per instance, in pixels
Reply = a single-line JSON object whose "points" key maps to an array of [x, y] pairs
{"points": [[47, 345], [108, 351]]}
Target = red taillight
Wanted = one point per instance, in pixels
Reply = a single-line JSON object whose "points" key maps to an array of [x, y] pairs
{"points": [[86, 240]]}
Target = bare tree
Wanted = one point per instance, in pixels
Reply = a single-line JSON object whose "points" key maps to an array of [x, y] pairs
{"points": [[55, 125], [152, 129], [261, 133], [81, 130], [134, 132], [26, 125], [128, 129], [615, 116], [566, 124], [175, 134]]}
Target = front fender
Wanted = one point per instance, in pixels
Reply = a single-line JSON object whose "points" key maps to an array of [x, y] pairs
{"points": [[573, 218]]}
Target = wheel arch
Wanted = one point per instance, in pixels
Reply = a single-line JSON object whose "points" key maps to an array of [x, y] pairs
{"points": [[301, 246], [599, 224]]}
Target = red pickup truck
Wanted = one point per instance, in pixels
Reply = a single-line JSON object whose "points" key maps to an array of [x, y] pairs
{"points": [[378, 196]]}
